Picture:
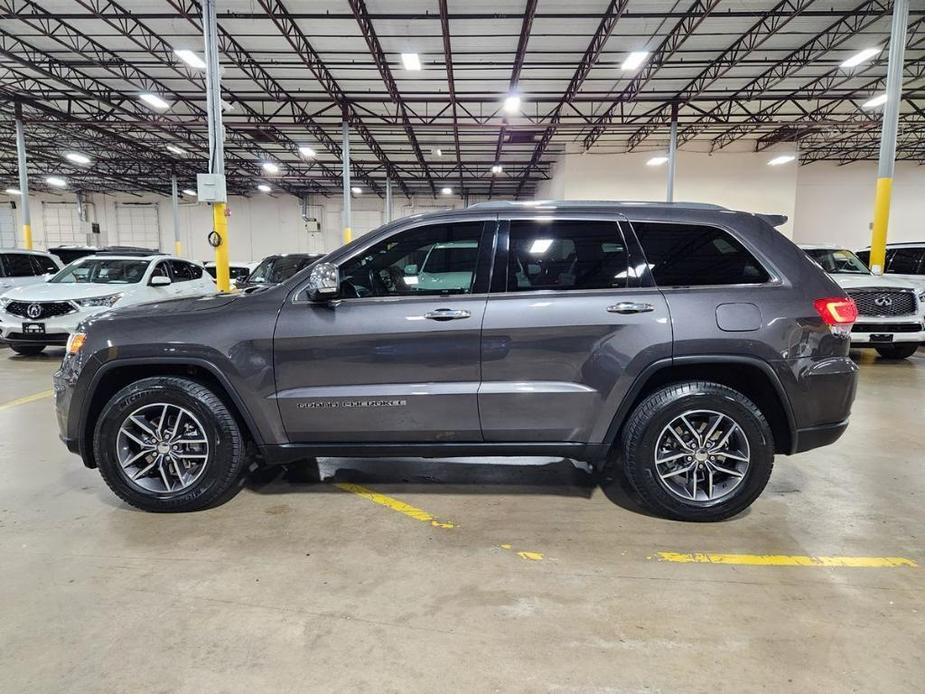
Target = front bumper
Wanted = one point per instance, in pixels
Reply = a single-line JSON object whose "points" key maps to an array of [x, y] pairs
{"points": [[57, 328], [879, 331]]}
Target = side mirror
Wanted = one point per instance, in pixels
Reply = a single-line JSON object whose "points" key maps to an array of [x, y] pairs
{"points": [[160, 281], [323, 282]]}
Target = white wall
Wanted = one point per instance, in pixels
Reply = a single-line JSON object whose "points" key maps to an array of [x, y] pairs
{"points": [[258, 226], [826, 203]]}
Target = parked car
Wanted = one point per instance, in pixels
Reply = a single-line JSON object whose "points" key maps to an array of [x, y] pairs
{"points": [[275, 269], [239, 272], [19, 268], [891, 310], [685, 344], [40, 315], [904, 260], [68, 254]]}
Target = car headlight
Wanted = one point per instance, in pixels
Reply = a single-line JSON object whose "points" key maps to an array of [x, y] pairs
{"points": [[107, 301], [921, 297], [4, 302]]}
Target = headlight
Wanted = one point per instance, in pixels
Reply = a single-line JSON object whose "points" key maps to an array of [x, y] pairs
{"points": [[921, 297], [108, 300], [74, 342], [4, 302]]}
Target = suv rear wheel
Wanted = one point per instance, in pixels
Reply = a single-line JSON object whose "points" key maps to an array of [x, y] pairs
{"points": [[903, 351], [169, 444], [697, 451]]}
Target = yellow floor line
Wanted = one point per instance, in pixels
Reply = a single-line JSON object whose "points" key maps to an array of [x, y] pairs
{"points": [[785, 560], [29, 398], [394, 504], [529, 556]]}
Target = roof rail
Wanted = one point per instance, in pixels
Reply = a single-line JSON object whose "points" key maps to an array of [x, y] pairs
{"points": [[514, 204]]}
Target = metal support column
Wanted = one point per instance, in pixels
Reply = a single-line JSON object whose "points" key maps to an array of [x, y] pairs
{"points": [[175, 204], [672, 152], [345, 174], [388, 200], [888, 137], [216, 143], [23, 180]]}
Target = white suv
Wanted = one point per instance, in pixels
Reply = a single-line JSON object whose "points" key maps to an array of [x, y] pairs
{"points": [[891, 309], [903, 260], [37, 316], [19, 268]]}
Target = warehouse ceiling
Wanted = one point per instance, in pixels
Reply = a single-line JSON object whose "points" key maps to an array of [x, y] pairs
{"points": [[743, 73]]}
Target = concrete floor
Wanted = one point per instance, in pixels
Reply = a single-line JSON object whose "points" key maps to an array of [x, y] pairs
{"points": [[298, 587]]}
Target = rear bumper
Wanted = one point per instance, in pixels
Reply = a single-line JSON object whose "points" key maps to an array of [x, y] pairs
{"points": [[816, 437]]}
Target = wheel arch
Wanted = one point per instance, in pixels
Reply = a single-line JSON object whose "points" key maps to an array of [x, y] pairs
{"points": [[115, 375], [753, 377]]}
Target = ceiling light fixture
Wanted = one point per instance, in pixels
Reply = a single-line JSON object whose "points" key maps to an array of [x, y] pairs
{"points": [[264, 188], [540, 246], [782, 159], [175, 149], [356, 190], [55, 181], [860, 57], [634, 60], [270, 167], [411, 61], [154, 101], [876, 101], [191, 193], [446, 190], [437, 152], [657, 161], [512, 105], [12, 191], [191, 58], [307, 151], [497, 168], [77, 158]]}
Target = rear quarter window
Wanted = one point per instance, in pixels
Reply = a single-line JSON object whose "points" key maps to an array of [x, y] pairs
{"points": [[690, 255]]}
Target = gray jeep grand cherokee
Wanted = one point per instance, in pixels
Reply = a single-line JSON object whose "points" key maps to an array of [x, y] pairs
{"points": [[686, 344]]}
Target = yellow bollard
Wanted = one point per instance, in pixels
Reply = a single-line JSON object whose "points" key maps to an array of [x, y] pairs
{"points": [[348, 235], [881, 221], [27, 236], [220, 224]]}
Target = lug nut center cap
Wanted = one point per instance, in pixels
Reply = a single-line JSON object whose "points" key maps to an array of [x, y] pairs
{"points": [[163, 448], [700, 456]]}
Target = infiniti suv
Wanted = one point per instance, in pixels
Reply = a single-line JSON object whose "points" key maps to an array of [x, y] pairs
{"points": [[684, 345]]}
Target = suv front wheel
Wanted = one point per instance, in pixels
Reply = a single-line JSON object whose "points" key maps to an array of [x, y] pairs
{"points": [[697, 451], [169, 444]]}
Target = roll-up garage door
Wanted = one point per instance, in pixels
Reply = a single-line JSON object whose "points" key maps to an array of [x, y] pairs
{"points": [[138, 224], [61, 224], [7, 228]]}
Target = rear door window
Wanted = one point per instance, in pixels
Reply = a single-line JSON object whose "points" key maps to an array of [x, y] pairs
{"points": [[19, 265], [566, 255], [43, 265], [905, 261], [688, 255]]}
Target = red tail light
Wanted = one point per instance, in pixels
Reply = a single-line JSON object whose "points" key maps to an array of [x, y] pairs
{"points": [[837, 311]]}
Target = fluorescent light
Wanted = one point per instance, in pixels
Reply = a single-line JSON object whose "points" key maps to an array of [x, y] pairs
{"points": [[12, 191], [540, 246], [306, 151], [191, 193], [175, 149], [512, 104], [446, 190], [437, 152], [656, 161], [411, 61], [154, 101], [497, 168], [264, 188], [860, 57], [190, 58], [634, 60], [270, 167], [55, 181], [782, 159], [356, 190], [878, 100], [77, 158]]}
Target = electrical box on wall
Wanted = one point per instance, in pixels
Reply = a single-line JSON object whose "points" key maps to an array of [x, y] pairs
{"points": [[211, 188], [312, 226]]}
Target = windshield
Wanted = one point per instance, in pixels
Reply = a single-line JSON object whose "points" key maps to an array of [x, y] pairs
{"points": [[838, 261], [102, 271], [276, 270]]}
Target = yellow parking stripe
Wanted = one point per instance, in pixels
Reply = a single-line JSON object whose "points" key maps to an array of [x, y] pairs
{"points": [[786, 560], [29, 398], [394, 504]]}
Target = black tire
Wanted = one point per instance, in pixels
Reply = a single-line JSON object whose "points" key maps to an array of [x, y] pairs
{"points": [[899, 351], [227, 450], [27, 350], [646, 424]]}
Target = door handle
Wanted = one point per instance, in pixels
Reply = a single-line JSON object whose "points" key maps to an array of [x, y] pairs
{"points": [[447, 314], [630, 307]]}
